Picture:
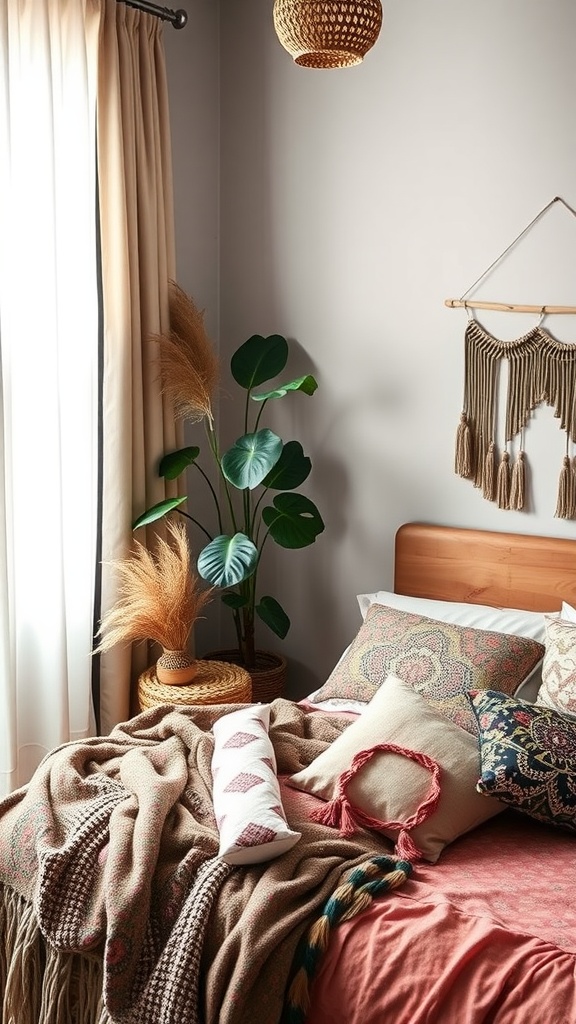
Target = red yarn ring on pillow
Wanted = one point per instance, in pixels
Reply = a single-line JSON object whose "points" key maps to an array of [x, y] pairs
{"points": [[342, 814]]}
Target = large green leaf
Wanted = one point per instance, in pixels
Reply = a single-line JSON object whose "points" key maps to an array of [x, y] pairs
{"points": [[274, 616], [173, 464], [227, 561], [294, 521], [307, 384], [157, 511], [250, 458], [291, 470], [259, 359]]}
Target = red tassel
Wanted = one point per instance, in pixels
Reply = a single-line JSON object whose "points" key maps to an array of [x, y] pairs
{"points": [[337, 813], [329, 814], [348, 824], [406, 848]]}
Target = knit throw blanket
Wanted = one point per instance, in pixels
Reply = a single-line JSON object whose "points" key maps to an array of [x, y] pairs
{"points": [[109, 856]]}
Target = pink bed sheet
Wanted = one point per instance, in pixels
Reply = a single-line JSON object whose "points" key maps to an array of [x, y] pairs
{"points": [[485, 936]]}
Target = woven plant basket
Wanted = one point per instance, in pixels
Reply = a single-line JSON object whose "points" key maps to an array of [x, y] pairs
{"points": [[327, 33], [215, 682], [269, 676]]}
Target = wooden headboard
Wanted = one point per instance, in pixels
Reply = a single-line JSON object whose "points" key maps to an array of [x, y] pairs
{"points": [[507, 570]]}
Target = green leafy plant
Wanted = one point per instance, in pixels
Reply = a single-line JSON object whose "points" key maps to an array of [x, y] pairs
{"points": [[258, 467]]}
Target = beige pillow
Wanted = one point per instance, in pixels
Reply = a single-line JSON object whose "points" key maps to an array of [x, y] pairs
{"points": [[390, 787], [558, 690]]}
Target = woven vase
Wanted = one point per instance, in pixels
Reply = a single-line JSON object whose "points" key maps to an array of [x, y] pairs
{"points": [[175, 668], [327, 33]]}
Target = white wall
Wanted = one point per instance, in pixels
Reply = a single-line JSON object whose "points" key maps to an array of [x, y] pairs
{"points": [[352, 204]]}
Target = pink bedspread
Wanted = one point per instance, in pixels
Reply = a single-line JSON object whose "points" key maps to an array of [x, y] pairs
{"points": [[485, 936]]}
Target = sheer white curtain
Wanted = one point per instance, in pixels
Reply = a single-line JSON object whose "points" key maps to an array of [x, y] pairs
{"points": [[49, 376], [82, 85]]}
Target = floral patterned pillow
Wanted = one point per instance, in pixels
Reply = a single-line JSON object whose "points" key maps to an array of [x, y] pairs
{"points": [[558, 690], [441, 660], [528, 757]]}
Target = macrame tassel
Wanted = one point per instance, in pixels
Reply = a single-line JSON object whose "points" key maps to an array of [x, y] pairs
{"points": [[518, 483], [503, 482], [463, 455], [489, 475], [565, 502]]}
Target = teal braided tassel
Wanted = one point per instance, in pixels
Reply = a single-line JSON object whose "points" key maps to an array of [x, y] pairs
{"points": [[365, 882]]}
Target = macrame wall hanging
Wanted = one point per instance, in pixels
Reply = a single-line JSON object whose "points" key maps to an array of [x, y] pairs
{"points": [[540, 370]]}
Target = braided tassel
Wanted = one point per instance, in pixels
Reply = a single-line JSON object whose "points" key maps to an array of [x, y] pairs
{"points": [[503, 482], [565, 502], [368, 880], [518, 483], [463, 455]]}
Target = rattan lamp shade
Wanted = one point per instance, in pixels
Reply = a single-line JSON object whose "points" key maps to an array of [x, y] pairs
{"points": [[327, 33]]}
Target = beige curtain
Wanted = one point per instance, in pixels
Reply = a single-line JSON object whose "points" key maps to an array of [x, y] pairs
{"points": [[138, 258]]}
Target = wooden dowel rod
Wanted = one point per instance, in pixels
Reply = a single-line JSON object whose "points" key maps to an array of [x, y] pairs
{"points": [[507, 307]]}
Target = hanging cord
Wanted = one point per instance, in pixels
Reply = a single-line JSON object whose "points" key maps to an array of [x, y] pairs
{"points": [[556, 199], [507, 306]]}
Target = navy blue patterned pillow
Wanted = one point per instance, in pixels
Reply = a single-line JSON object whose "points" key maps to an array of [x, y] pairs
{"points": [[528, 757]]}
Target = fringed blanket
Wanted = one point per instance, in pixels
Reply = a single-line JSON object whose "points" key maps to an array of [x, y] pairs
{"points": [[114, 905]]}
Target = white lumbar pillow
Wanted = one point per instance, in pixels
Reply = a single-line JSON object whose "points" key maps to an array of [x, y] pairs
{"points": [[246, 794]]}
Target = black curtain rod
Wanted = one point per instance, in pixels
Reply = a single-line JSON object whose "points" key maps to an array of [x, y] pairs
{"points": [[177, 18]]}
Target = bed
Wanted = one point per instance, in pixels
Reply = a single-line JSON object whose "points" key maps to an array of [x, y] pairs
{"points": [[378, 883]]}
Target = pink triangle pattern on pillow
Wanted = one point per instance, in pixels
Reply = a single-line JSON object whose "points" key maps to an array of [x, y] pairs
{"points": [[246, 794]]}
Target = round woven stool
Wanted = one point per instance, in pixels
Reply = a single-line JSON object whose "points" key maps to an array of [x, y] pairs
{"points": [[215, 682]]}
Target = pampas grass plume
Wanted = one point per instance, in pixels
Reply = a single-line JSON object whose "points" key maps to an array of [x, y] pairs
{"points": [[159, 596], [189, 367]]}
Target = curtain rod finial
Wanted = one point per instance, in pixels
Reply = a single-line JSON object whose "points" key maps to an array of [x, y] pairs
{"points": [[181, 18]]}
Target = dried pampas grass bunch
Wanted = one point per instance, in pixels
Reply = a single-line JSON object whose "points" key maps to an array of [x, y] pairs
{"points": [[189, 368], [159, 596]]}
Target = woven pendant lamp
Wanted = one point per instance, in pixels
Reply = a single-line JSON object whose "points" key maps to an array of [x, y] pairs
{"points": [[327, 33]]}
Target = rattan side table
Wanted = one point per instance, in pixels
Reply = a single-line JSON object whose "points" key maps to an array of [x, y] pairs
{"points": [[215, 682]]}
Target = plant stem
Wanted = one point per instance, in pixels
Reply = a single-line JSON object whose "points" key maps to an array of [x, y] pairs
{"points": [[260, 411], [214, 495], [195, 521], [213, 442]]}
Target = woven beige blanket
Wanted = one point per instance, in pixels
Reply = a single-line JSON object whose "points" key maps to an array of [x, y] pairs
{"points": [[108, 858]]}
